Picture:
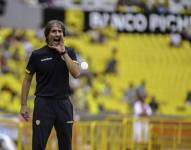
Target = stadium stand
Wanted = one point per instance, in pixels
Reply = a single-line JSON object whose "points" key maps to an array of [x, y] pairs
{"points": [[140, 56], [104, 120]]}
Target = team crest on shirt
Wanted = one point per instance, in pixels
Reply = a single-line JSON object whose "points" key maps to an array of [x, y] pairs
{"points": [[37, 122]]}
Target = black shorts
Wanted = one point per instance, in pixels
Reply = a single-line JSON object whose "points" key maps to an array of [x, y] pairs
{"points": [[48, 114]]}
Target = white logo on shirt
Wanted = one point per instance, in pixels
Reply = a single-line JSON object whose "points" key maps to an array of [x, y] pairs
{"points": [[46, 59], [37, 122]]}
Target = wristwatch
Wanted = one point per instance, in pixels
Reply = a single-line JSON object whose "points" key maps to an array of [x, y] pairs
{"points": [[63, 53]]}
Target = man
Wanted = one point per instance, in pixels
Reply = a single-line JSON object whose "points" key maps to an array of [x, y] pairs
{"points": [[52, 64], [141, 124]]}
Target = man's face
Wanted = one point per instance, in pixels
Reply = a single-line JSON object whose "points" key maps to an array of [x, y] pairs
{"points": [[55, 36]]}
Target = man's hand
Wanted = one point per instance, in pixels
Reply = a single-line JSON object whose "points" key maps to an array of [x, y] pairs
{"points": [[59, 47], [25, 112]]}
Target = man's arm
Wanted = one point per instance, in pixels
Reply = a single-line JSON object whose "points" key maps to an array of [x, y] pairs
{"points": [[24, 95], [72, 66]]}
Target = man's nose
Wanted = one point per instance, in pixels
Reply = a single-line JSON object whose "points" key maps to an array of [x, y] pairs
{"points": [[57, 33]]}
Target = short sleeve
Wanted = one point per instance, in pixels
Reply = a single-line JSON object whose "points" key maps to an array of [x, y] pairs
{"points": [[31, 67], [72, 54]]}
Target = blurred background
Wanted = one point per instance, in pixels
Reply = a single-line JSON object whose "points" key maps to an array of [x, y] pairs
{"points": [[135, 59]]}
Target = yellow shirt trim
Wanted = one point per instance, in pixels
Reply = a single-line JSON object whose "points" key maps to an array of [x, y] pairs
{"points": [[75, 61], [27, 71]]}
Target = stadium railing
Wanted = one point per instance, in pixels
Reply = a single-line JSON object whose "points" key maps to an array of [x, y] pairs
{"points": [[113, 133]]}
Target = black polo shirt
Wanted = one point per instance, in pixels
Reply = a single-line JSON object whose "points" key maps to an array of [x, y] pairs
{"points": [[52, 75]]}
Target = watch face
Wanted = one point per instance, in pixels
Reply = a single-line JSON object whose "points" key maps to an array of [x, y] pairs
{"points": [[62, 57]]}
